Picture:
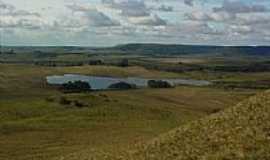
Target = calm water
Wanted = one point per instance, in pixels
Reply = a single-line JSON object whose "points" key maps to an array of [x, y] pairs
{"points": [[101, 83]]}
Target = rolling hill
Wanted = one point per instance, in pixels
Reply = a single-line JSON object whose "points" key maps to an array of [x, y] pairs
{"points": [[145, 49], [241, 132], [174, 49]]}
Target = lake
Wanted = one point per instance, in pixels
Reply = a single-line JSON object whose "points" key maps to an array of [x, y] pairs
{"points": [[102, 83]]}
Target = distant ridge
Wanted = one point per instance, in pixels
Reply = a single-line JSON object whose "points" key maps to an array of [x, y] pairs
{"points": [[150, 49], [192, 49]]}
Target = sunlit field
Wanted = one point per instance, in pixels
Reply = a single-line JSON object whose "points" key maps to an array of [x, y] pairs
{"points": [[134, 80]]}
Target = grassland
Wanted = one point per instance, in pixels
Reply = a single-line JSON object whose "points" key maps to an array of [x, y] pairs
{"points": [[17, 79], [238, 133], [35, 125]]}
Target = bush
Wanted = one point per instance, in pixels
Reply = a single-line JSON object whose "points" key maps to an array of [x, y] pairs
{"points": [[159, 84], [122, 85], [124, 63], [95, 62], [77, 86], [216, 110], [71, 103], [50, 99], [64, 101], [79, 104], [103, 95]]}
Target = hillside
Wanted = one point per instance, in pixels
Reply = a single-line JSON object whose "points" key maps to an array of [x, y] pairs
{"points": [[241, 132], [144, 49], [174, 49], [238, 133]]}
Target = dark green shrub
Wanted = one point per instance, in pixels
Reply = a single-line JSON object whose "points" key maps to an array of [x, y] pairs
{"points": [[122, 86], [79, 104], [50, 99], [77, 86], [159, 84], [124, 63], [95, 62], [64, 101]]}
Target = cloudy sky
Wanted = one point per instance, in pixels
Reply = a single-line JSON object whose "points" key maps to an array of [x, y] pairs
{"points": [[111, 22]]}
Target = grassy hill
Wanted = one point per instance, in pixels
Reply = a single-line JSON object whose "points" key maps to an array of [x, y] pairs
{"points": [[174, 49], [240, 132], [36, 125]]}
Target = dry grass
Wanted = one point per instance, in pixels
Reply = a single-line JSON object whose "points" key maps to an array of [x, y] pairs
{"points": [[18, 80], [33, 128], [239, 133]]}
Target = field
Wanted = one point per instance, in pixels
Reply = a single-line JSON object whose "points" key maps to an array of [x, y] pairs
{"points": [[35, 125], [135, 80], [239, 132], [39, 122]]}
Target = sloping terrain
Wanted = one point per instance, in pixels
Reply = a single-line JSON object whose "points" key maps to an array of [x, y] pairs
{"points": [[241, 132], [35, 123], [238, 133]]}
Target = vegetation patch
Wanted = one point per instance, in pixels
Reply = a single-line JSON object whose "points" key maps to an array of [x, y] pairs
{"points": [[159, 84], [122, 86], [36, 123], [75, 87], [258, 84], [241, 132], [72, 102]]}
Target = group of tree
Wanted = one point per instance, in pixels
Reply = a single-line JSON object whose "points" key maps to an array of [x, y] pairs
{"points": [[122, 86], [76, 86], [123, 63], [81, 86], [58, 63], [95, 62], [159, 84], [10, 51]]}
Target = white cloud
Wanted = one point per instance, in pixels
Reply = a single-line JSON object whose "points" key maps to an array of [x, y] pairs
{"points": [[121, 21], [129, 8], [238, 6], [148, 21], [189, 2]]}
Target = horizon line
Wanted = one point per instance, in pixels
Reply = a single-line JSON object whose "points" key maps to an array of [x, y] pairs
{"points": [[110, 46]]}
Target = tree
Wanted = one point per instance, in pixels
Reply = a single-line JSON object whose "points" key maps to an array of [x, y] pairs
{"points": [[122, 85], [77, 86], [124, 63], [159, 84], [64, 101], [11, 51], [95, 62]]}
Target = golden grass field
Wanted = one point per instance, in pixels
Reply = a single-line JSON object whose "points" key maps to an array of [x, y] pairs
{"points": [[239, 133]]}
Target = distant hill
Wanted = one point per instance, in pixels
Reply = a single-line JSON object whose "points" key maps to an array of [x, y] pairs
{"points": [[192, 49], [152, 49], [239, 133]]}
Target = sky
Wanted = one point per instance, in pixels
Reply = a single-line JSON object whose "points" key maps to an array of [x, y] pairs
{"points": [[113, 22]]}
